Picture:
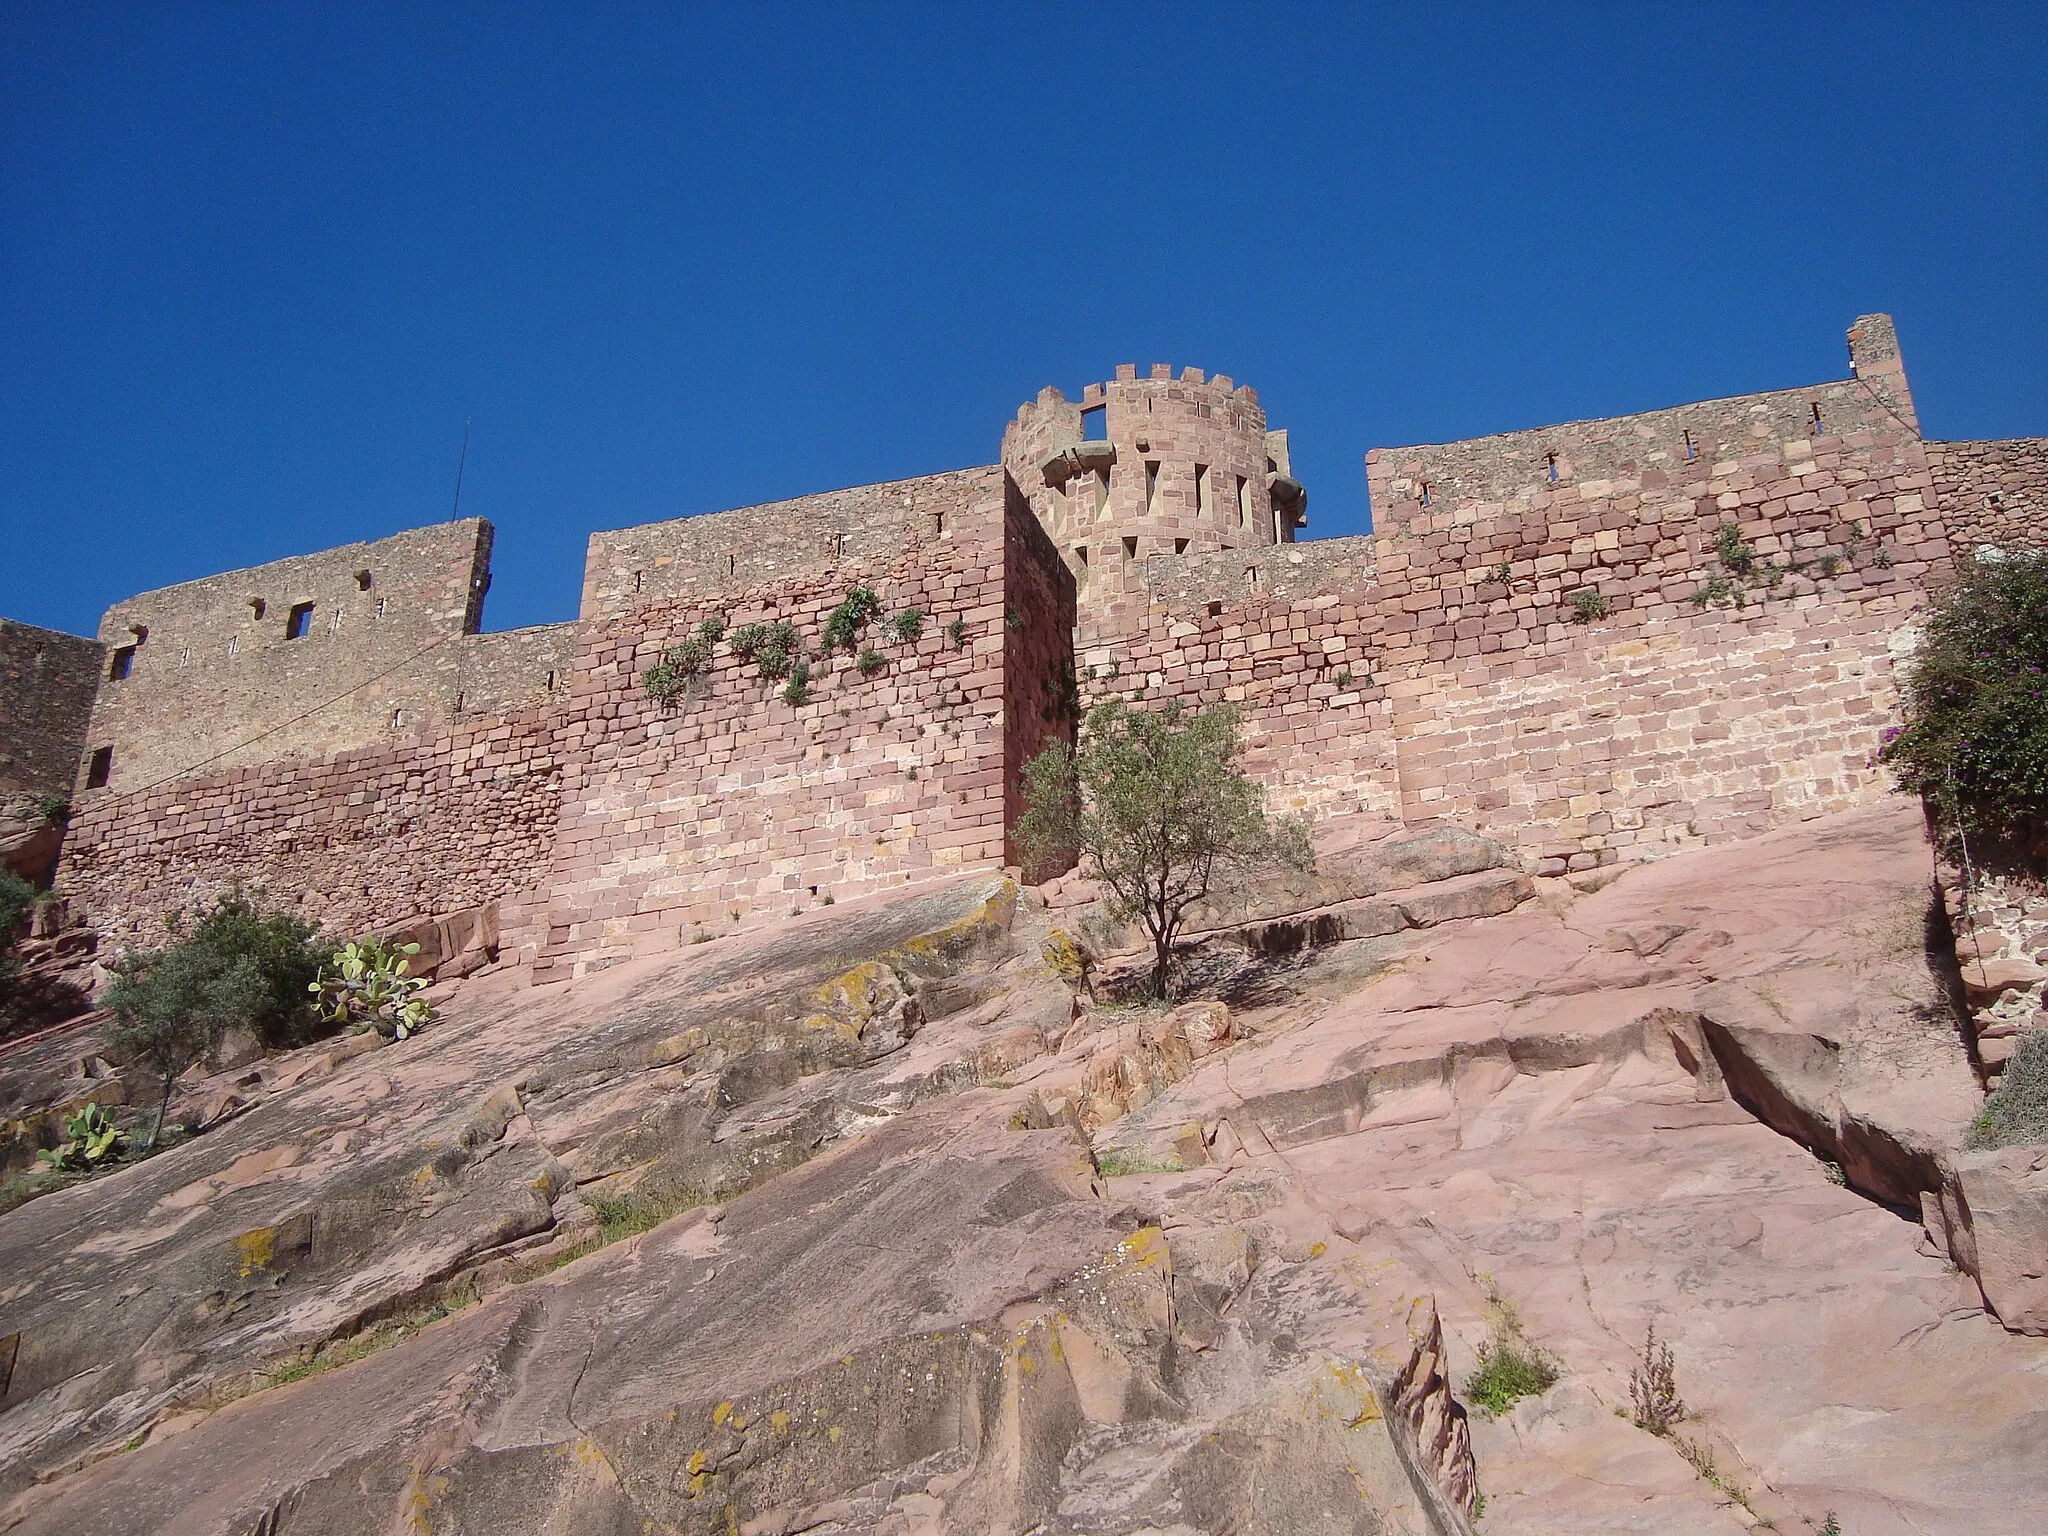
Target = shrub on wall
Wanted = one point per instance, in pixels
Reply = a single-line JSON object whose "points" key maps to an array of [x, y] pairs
{"points": [[844, 624], [770, 647], [1975, 742]]}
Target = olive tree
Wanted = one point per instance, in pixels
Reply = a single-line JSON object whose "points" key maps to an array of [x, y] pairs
{"points": [[1154, 805]]}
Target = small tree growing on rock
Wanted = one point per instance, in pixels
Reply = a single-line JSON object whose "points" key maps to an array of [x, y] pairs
{"points": [[1153, 802]]}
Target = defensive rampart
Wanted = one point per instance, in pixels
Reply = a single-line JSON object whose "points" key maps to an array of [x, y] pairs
{"points": [[1598, 640], [47, 683]]}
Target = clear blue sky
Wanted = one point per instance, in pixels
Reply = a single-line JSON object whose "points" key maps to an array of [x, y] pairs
{"points": [[257, 264]]}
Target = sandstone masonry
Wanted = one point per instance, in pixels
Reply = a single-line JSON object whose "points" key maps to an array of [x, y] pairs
{"points": [[1598, 640]]}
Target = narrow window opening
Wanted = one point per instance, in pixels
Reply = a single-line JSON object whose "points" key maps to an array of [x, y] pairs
{"points": [[939, 524], [1081, 568], [1244, 501], [362, 581], [397, 718], [122, 664], [184, 654], [639, 580], [334, 624], [233, 642], [256, 607], [1202, 507], [300, 623], [1215, 610], [1059, 509], [1151, 485], [100, 768], [1425, 496], [732, 565], [551, 682], [1180, 546], [1819, 427], [1691, 453], [380, 606], [1095, 424], [458, 702], [1130, 549], [1550, 466], [1101, 491], [1251, 575]]}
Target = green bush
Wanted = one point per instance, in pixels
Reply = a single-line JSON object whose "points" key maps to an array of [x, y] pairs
{"points": [[844, 624], [909, 624], [91, 1138], [798, 689], [669, 678], [16, 897], [870, 661], [957, 633], [1588, 605], [238, 966], [2018, 1112], [712, 630], [770, 647], [1975, 742]]}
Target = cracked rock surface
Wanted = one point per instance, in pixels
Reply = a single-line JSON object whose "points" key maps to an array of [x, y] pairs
{"points": [[955, 1248]]}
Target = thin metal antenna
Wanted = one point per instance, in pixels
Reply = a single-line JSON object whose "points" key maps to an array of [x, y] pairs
{"points": [[460, 464]]}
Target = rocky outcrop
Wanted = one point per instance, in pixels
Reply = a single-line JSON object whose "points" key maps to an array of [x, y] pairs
{"points": [[1991, 1215]]}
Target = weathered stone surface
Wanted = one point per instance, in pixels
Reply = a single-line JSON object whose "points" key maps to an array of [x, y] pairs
{"points": [[1994, 1210]]}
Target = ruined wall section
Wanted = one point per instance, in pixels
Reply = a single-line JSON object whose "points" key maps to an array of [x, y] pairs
{"points": [[307, 656], [512, 669], [1040, 699], [1292, 637], [1168, 466], [1575, 664], [48, 680], [357, 841], [1993, 493], [862, 527], [737, 804]]}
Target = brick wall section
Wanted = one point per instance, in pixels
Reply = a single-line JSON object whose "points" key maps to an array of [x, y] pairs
{"points": [[213, 683], [47, 683], [1665, 721], [1993, 492], [1291, 636], [1039, 695], [355, 841], [738, 802], [706, 556]]}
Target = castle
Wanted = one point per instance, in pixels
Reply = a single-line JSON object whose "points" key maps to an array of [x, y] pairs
{"points": [[1598, 641]]}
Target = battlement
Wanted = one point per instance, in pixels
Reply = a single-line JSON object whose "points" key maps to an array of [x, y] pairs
{"points": [[1139, 467]]}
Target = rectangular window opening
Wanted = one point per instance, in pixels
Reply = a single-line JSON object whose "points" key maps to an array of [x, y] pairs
{"points": [[300, 624], [122, 664], [100, 768], [1202, 490], [1130, 549], [551, 682], [939, 524], [1244, 501], [1151, 485], [233, 642], [1101, 491], [1095, 424], [380, 606], [1691, 452], [1180, 546]]}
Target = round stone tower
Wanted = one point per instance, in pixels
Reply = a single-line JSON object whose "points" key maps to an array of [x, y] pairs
{"points": [[1155, 466]]}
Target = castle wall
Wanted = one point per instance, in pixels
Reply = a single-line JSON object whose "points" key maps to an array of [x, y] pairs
{"points": [[1993, 493], [702, 557], [1682, 702], [1040, 700], [356, 841], [47, 683], [736, 804], [215, 678]]}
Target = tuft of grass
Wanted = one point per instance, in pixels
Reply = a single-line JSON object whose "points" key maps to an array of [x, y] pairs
{"points": [[1588, 605], [357, 1346], [957, 633], [2018, 1112], [1116, 1162], [870, 661], [631, 1213], [1510, 1369], [909, 624]]}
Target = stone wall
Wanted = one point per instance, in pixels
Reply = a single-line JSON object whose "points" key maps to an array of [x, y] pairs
{"points": [[1292, 638], [47, 683], [1993, 493], [215, 676], [736, 804], [1040, 701], [355, 841], [1575, 664], [862, 527]]}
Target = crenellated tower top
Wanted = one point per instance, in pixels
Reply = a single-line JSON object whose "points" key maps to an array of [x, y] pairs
{"points": [[1158, 465]]}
